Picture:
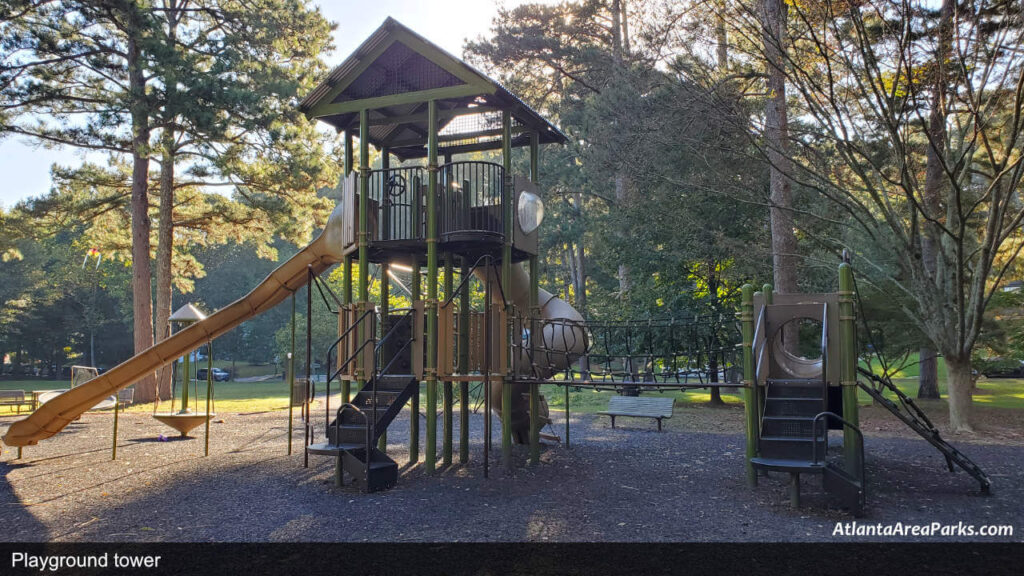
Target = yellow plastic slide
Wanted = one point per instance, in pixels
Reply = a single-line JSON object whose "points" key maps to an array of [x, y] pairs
{"points": [[53, 416]]}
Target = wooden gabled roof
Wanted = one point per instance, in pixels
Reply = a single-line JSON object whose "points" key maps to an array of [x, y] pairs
{"points": [[395, 72]]}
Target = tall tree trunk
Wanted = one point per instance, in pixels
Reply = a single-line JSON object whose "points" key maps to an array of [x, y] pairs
{"points": [[716, 392], [928, 375], [721, 38], [776, 133], [165, 254], [165, 230], [928, 385], [959, 381], [621, 177], [142, 290]]}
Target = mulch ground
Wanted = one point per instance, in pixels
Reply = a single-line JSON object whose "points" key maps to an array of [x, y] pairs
{"points": [[627, 484]]}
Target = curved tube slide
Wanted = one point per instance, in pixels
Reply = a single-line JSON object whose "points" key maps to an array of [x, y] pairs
{"points": [[563, 340]]}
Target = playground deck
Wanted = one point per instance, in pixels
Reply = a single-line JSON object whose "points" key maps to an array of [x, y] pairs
{"points": [[627, 484]]}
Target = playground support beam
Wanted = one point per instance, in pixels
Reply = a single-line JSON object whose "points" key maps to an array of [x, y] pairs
{"points": [[291, 380], [346, 281], [506, 286], [385, 301], [385, 284], [364, 234], [749, 384], [431, 303], [464, 363], [414, 402], [848, 365], [209, 393], [346, 385], [446, 402], [534, 314]]}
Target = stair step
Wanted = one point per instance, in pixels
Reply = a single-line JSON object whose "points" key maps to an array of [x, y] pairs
{"points": [[790, 406], [328, 449], [788, 448], [796, 381], [788, 465], [789, 426]]}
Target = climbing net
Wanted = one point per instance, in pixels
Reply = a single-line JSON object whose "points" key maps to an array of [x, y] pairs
{"points": [[673, 353]]}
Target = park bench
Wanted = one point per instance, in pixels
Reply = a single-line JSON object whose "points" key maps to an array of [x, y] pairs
{"points": [[638, 407], [14, 398]]}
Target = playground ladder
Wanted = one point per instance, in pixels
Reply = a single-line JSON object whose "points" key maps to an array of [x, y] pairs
{"points": [[908, 412]]}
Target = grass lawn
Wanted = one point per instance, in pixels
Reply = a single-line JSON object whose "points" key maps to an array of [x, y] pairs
{"points": [[272, 394]]}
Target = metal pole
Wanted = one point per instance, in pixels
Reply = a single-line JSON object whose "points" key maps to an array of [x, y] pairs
{"points": [[346, 385], [534, 315], [414, 416], [848, 365], [464, 363], [385, 301], [487, 366], [364, 236], [506, 277], [188, 380], [309, 351], [209, 391], [291, 380], [749, 385], [446, 402], [117, 409], [534, 387], [566, 417], [431, 304]]}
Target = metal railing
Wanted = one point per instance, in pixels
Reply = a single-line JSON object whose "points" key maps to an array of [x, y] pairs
{"points": [[858, 466], [472, 198], [398, 205]]}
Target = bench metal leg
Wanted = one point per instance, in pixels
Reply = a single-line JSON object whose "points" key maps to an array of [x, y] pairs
{"points": [[794, 489], [659, 424], [613, 421]]}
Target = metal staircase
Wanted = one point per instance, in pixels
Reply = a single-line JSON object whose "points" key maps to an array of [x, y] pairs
{"points": [[353, 431]]}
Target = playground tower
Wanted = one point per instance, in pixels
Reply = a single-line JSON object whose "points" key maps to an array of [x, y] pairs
{"points": [[421, 106]]}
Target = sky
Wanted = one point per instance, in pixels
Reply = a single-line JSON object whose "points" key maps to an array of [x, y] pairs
{"points": [[25, 166]]}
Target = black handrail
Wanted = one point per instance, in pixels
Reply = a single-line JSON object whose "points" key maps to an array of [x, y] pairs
{"points": [[823, 416]]}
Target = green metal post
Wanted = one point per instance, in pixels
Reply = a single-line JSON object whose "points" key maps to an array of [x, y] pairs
{"points": [[464, 363], [566, 417], [414, 408], [431, 304], [534, 314], [446, 402], [117, 409], [848, 364], [188, 381], [346, 385], [506, 277], [749, 391], [534, 387], [385, 309], [209, 392], [291, 381], [364, 222]]}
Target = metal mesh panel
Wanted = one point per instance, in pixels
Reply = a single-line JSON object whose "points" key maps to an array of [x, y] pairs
{"points": [[397, 71]]}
